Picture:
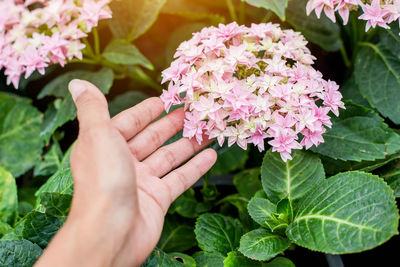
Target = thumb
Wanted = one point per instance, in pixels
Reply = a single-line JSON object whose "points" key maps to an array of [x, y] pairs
{"points": [[91, 104]]}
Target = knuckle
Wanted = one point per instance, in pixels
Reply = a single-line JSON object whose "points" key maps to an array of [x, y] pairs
{"points": [[155, 137], [181, 177], [169, 157]]}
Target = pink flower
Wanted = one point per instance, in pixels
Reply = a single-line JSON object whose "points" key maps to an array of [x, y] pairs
{"points": [[374, 14], [227, 95]]}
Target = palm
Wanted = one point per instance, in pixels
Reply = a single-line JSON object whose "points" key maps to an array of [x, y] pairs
{"points": [[158, 183]]}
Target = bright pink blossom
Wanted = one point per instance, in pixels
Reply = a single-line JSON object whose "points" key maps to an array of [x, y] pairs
{"points": [[247, 85], [37, 33]]}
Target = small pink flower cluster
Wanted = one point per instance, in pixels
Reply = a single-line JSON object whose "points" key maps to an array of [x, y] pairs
{"points": [[249, 84], [37, 33], [376, 12]]}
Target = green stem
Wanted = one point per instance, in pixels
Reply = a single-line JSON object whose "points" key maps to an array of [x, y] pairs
{"points": [[346, 59], [96, 41], [232, 11], [88, 47], [267, 17], [242, 12], [206, 178]]}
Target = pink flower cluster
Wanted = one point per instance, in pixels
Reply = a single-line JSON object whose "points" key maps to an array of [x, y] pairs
{"points": [[376, 12], [247, 84], [37, 33]]}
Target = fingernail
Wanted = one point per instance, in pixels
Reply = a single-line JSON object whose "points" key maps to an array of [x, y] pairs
{"points": [[76, 88]]}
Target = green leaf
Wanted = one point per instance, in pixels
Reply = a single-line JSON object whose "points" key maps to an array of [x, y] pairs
{"points": [[56, 204], [176, 236], [19, 253], [4, 228], [291, 179], [233, 159], [261, 210], [358, 134], [347, 213], [351, 91], [8, 197], [158, 258], [280, 262], [20, 125], [236, 259], [123, 52], [262, 245], [394, 183], [285, 210], [134, 17], [51, 161], [40, 228], [209, 259], [218, 233], [240, 203], [247, 182], [322, 32], [186, 259], [185, 205], [125, 101], [376, 67], [63, 110], [277, 6], [390, 39]]}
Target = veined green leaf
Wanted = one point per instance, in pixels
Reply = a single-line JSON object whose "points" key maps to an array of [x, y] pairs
{"points": [[291, 179], [261, 210], [187, 260], [347, 213], [358, 134], [280, 262], [20, 125], [19, 253], [161, 259], [51, 161], [8, 197], [262, 245], [209, 259], [218, 233], [377, 72]]}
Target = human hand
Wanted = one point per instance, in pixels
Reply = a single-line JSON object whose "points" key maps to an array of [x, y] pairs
{"points": [[124, 181]]}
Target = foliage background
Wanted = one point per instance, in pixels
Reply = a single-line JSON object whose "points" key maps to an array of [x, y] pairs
{"points": [[215, 223]]}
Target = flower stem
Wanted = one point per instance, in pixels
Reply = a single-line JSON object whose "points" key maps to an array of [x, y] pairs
{"points": [[242, 12], [345, 57], [232, 11], [96, 41], [88, 47]]}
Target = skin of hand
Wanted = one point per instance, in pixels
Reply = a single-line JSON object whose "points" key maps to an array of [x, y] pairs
{"points": [[124, 181]]}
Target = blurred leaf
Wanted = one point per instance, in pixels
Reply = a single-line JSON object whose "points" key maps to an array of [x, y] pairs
{"points": [[4, 228], [187, 260], [134, 17], [348, 205], [247, 182], [51, 161], [390, 39], [262, 245], [291, 179], [125, 101], [40, 228], [209, 259], [19, 134], [376, 67], [122, 52], [236, 259], [8, 197], [277, 6], [358, 134], [185, 205], [351, 91], [62, 111], [322, 32], [280, 262], [176, 236], [158, 258], [233, 159], [218, 233], [19, 253]]}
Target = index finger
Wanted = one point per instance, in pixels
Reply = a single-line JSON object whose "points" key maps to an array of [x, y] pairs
{"points": [[131, 121]]}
